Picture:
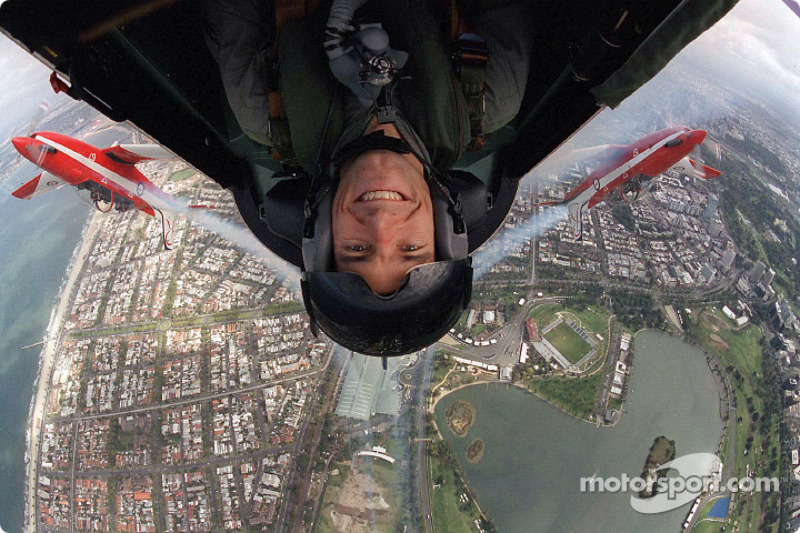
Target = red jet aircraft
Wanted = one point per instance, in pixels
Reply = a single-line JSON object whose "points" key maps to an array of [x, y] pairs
{"points": [[624, 168], [109, 174]]}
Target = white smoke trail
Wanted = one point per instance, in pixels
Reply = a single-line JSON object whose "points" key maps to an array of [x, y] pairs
{"points": [[241, 237], [501, 244], [492, 253]]}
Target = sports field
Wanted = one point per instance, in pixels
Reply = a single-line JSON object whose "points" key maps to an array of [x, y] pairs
{"points": [[183, 174], [569, 343]]}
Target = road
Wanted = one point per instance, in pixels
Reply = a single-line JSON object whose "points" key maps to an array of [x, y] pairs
{"points": [[297, 480], [422, 452], [688, 295], [613, 350], [509, 338], [730, 459], [191, 399]]}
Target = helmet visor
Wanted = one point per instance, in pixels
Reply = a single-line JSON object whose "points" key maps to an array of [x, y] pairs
{"points": [[430, 300]]}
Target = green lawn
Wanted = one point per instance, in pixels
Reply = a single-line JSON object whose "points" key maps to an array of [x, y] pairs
{"points": [[717, 312], [447, 511], [440, 370], [330, 496], [593, 319], [477, 329], [708, 527], [744, 349], [574, 395], [183, 174], [569, 343], [741, 351], [614, 403], [544, 314]]}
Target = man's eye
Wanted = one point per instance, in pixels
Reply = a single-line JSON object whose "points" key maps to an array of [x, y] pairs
{"points": [[410, 248], [357, 248]]}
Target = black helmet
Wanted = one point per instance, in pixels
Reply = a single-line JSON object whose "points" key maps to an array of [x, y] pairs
{"points": [[431, 297], [428, 303]]}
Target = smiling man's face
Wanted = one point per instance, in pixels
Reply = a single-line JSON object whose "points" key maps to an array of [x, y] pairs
{"points": [[382, 218]]}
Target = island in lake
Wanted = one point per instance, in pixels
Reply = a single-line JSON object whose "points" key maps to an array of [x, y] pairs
{"points": [[662, 451], [460, 417], [475, 451]]}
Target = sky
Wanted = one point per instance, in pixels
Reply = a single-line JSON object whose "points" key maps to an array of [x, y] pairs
{"points": [[24, 83], [756, 47]]}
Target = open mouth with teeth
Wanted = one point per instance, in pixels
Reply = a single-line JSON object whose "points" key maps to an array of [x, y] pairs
{"points": [[381, 195]]}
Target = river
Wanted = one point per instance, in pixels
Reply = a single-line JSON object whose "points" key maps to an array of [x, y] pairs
{"points": [[535, 455]]}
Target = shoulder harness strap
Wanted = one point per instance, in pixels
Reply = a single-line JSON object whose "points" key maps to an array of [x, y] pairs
{"points": [[469, 56]]}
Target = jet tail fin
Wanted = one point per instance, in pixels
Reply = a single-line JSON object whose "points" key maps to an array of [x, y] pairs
{"points": [[167, 227], [576, 220]]}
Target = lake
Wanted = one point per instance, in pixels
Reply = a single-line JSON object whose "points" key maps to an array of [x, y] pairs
{"points": [[535, 455]]}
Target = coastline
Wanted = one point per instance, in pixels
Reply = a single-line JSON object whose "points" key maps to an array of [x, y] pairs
{"points": [[52, 340]]}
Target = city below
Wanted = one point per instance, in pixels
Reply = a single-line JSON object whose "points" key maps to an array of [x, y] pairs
{"points": [[182, 390]]}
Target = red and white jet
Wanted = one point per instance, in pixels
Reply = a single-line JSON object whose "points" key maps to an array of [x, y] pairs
{"points": [[109, 174], [624, 168]]}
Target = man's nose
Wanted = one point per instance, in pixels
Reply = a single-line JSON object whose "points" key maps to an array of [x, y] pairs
{"points": [[382, 224]]}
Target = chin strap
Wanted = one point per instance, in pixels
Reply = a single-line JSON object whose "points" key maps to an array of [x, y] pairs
{"points": [[454, 203], [376, 140]]}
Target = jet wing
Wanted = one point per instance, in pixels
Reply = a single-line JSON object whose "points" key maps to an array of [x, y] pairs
{"points": [[40, 184], [136, 153]]}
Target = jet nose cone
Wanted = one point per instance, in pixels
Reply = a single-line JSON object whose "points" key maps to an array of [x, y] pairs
{"points": [[698, 136], [21, 143], [29, 149]]}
